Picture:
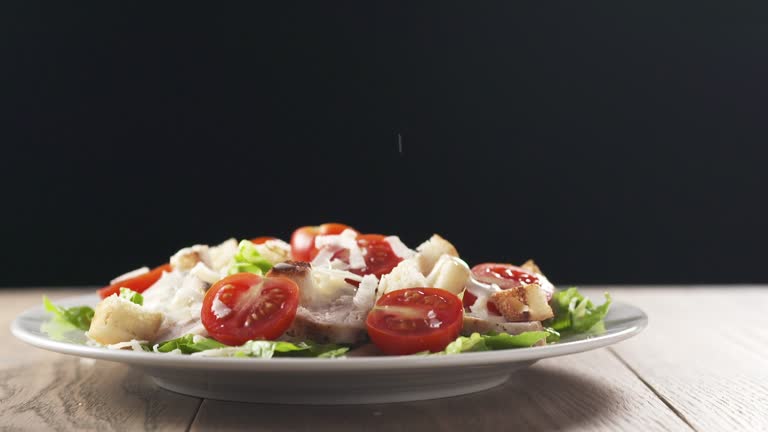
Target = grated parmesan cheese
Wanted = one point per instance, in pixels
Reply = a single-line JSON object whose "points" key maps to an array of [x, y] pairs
{"points": [[219, 308], [204, 273], [399, 248], [366, 292], [347, 240], [323, 258]]}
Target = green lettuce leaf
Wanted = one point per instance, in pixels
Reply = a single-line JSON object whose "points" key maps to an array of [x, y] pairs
{"points": [[78, 316], [552, 335], [269, 349], [475, 342], [187, 345], [507, 341], [249, 260], [132, 296], [311, 349], [493, 341], [575, 313], [331, 353]]}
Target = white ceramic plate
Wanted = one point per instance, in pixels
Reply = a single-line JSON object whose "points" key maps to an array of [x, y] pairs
{"points": [[351, 380]]}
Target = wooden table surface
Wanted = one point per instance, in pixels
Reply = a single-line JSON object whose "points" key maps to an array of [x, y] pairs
{"points": [[702, 364]]}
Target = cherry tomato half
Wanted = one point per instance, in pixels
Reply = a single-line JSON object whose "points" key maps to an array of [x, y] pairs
{"points": [[139, 283], [506, 276], [246, 306], [412, 320], [380, 259], [303, 239]]}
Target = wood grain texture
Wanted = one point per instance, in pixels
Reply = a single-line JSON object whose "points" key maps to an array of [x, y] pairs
{"points": [[705, 353], [704, 356], [585, 392], [47, 391]]}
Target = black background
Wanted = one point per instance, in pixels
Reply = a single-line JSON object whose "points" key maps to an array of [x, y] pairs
{"points": [[614, 143]]}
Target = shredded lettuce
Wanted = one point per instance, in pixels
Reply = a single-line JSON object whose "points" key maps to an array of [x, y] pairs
{"points": [[329, 352], [188, 345], [507, 341], [493, 341], [269, 349], [552, 335], [249, 260], [475, 342], [78, 316], [132, 296], [575, 313]]}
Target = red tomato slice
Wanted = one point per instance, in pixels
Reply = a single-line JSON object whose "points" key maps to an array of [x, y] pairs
{"points": [[249, 307], [262, 240], [411, 320], [380, 259], [506, 276], [303, 239], [139, 283]]}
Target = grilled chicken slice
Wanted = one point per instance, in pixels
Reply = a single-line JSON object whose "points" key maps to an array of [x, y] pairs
{"points": [[341, 323], [474, 324], [330, 309]]}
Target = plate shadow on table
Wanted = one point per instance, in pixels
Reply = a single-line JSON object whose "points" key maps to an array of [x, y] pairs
{"points": [[83, 394], [533, 399]]}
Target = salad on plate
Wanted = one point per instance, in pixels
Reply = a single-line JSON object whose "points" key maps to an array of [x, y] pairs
{"points": [[331, 292]]}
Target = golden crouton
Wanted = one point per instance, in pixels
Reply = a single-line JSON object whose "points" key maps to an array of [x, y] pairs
{"points": [[525, 303], [449, 273], [531, 267], [431, 250], [118, 320]]}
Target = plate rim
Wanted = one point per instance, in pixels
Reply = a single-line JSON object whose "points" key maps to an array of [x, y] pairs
{"points": [[347, 364]]}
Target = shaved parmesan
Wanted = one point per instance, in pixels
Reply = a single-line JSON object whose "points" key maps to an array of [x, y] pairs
{"points": [[323, 258], [215, 257], [340, 274], [404, 275], [327, 285], [356, 260], [222, 254], [179, 297], [366, 292], [347, 240], [204, 273], [399, 248], [186, 258], [275, 251], [131, 274], [338, 264], [219, 308]]}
